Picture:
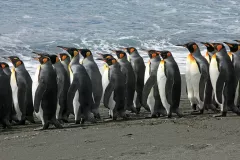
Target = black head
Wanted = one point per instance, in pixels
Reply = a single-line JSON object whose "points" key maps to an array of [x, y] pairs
{"points": [[42, 59], [209, 46], [130, 50], [152, 53], [85, 52], [105, 55], [54, 58], [165, 54], [109, 61], [15, 61], [4, 65], [218, 46], [191, 46], [72, 51], [120, 54], [63, 56], [234, 47]]}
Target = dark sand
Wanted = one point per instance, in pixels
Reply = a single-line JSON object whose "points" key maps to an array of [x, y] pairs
{"points": [[192, 137]]}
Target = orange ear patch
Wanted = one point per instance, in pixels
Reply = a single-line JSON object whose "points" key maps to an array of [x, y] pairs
{"points": [[169, 54], [18, 63], [57, 59], [190, 58], [238, 47], [45, 60], [108, 57], [219, 47], [230, 45], [75, 53], [131, 50], [3, 65], [88, 54], [114, 61], [154, 55], [121, 55], [64, 57], [195, 47]]}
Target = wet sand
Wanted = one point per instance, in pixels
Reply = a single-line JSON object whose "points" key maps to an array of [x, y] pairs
{"points": [[191, 137]]}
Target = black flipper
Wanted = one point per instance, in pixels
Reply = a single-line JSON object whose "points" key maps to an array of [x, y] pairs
{"points": [[169, 89], [147, 88], [219, 86], [70, 96], [39, 95], [108, 92]]}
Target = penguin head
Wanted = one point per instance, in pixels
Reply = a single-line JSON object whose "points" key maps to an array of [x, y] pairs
{"points": [[209, 46], [73, 52], [41, 53], [54, 58], [130, 50], [120, 54], [234, 47], [4, 65], [43, 59], [191, 46], [109, 61], [15, 61], [218, 46], [165, 54], [85, 52], [152, 53], [105, 55], [63, 56]]}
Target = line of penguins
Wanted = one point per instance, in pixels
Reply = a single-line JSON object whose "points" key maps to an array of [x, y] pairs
{"points": [[64, 84]]}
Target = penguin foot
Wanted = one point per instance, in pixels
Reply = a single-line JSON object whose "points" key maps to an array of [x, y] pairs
{"points": [[22, 122], [97, 116], [57, 124], [223, 114], [138, 110], [147, 109], [169, 116], [6, 124], [194, 107], [195, 113], [64, 120]]}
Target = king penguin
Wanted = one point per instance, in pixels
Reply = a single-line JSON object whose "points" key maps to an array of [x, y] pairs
{"points": [[235, 51], [169, 82], [139, 70], [114, 95], [151, 95], [197, 78], [96, 79], [79, 98], [5, 97], [223, 79], [6, 69], [45, 93], [63, 82], [21, 84], [128, 71], [65, 60]]}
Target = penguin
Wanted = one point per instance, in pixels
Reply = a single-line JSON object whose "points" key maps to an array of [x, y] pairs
{"points": [[5, 97], [139, 70], [21, 84], [128, 72], [114, 95], [65, 60], [151, 95], [79, 98], [45, 93], [169, 82], [6, 69], [96, 79], [197, 78], [210, 52], [223, 80], [235, 50]]}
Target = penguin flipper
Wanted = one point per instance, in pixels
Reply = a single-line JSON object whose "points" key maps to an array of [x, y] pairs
{"points": [[202, 86], [108, 92], [147, 88], [219, 86], [38, 95], [70, 95], [169, 89]]}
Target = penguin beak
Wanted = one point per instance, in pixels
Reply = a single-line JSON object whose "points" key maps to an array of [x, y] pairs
{"points": [[228, 44], [158, 52], [114, 51], [145, 50], [182, 45], [101, 59], [124, 49], [64, 48], [36, 58], [100, 54], [237, 41]]}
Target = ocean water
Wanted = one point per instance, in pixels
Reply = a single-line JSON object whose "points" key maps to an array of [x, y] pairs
{"points": [[41, 25]]}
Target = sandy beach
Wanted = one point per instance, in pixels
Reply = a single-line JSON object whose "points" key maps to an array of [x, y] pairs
{"points": [[191, 137]]}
